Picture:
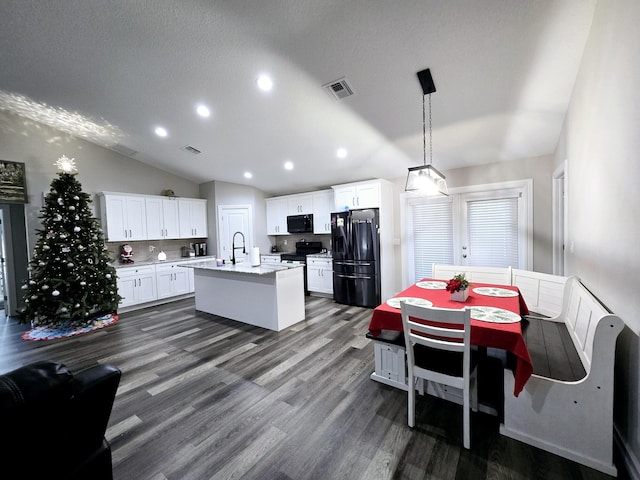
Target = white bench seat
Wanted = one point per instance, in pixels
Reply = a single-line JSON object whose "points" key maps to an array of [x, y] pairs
{"points": [[573, 419]]}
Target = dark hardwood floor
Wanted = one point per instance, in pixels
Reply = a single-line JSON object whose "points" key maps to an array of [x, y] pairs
{"points": [[205, 397]]}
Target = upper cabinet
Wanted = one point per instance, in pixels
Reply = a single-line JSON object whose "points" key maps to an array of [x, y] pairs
{"points": [[323, 205], [162, 218], [352, 196], [123, 217], [131, 217], [277, 211], [193, 217], [300, 204]]}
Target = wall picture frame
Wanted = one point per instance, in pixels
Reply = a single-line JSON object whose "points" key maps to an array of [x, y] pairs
{"points": [[13, 182]]}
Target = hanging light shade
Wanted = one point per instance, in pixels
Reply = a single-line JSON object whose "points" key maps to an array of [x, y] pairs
{"points": [[426, 179]]}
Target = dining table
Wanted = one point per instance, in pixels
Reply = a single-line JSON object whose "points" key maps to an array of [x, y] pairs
{"points": [[496, 312]]}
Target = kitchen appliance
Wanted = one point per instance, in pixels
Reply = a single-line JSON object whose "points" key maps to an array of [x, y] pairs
{"points": [[187, 251], [201, 249], [355, 239], [300, 257], [300, 223]]}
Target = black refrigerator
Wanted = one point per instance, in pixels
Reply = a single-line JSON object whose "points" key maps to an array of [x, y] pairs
{"points": [[355, 242]]}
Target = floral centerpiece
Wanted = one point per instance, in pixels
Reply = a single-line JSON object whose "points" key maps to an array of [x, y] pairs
{"points": [[458, 287]]}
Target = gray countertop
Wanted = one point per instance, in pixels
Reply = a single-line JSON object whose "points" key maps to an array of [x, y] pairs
{"points": [[263, 269], [320, 255], [143, 263]]}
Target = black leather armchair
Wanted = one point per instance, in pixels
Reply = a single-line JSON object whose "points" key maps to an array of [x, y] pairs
{"points": [[53, 422]]}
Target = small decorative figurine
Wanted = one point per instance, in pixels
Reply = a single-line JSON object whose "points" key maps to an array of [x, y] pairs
{"points": [[126, 253]]}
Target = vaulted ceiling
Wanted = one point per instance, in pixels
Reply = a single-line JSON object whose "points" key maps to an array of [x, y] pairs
{"points": [[111, 72]]}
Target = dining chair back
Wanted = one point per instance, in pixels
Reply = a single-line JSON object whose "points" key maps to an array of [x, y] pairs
{"points": [[438, 346]]}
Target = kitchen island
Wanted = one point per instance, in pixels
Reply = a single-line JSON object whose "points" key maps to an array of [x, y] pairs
{"points": [[269, 296]]}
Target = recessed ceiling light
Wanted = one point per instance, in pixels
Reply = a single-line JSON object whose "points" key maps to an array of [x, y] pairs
{"points": [[288, 165], [341, 153], [203, 111], [248, 175], [161, 132], [265, 83]]}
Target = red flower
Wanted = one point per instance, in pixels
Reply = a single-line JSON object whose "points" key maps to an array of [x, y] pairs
{"points": [[457, 283], [453, 286]]}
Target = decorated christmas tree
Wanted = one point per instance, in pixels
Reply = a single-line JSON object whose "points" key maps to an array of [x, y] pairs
{"points": [[70, 274]]}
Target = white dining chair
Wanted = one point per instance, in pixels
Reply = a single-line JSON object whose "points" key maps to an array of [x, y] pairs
{"points": [[440, 352]]}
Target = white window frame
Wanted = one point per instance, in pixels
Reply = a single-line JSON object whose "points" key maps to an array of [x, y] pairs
{"points": [[525, 219]]}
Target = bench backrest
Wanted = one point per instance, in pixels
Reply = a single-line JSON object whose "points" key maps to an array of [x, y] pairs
{"points": [[585, 317], [542, 292], [495, 275]]}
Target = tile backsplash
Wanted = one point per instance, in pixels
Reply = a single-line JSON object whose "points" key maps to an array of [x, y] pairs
{"points": [[142, 252]]}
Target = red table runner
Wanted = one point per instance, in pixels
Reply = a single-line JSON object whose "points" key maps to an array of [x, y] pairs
{"points": [[506, 336]]}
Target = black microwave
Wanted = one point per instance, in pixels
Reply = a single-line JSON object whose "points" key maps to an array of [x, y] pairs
{"points": [[300, 224]]}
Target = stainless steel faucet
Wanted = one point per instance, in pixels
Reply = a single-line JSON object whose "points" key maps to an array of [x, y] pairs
{"points": [[233, 247]]}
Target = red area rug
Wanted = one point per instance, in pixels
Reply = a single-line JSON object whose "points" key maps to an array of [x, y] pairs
{"points": [[69, 328]]}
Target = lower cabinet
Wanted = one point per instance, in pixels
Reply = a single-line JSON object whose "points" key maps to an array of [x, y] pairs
{"points": [[137, 285], [320, 275], [172, 280], [148, 283]]}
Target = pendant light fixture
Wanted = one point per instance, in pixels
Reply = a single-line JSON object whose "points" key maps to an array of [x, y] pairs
{"points": [[426, 179]]}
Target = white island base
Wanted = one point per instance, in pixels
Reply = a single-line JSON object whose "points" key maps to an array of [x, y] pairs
{"points": [[273, 300]]}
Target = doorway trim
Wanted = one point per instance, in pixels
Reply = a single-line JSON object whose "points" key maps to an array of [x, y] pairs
{"points": [[559, 217]]}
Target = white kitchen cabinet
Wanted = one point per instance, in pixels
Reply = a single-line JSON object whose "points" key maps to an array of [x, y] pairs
{"points": [[123, 217], [172, 280], [162, 218], [300, 204], [193, 217], [277, 211], [136, 285], [323, 205], [357, 195], [320, 274]]}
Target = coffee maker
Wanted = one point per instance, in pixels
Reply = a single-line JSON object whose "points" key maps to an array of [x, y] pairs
{"points": [[201, 249]]}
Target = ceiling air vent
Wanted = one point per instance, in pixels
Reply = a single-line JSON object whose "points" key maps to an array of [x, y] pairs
{"points": [[339, 89], [191, 149], [126, 151]]}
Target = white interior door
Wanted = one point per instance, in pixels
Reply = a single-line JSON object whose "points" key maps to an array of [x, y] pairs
{"points": [[233, 219]]}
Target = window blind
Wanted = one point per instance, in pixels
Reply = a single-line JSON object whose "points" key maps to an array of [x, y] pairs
{"points": [[492, 229], [433, 237]]}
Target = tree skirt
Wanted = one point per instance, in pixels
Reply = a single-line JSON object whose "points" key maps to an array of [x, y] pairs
{"points": [[69, 328]]}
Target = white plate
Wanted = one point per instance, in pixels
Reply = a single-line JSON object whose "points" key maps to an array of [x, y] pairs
{"points": [[395, 301], [494, 292], [494, 315], [432, 285]]}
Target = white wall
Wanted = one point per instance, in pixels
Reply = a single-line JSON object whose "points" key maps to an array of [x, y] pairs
{"points": [[601, 144], [99, 169]]}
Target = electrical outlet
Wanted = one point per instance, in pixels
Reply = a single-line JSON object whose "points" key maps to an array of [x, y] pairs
{"points": [[151, 248], [285, 242]]}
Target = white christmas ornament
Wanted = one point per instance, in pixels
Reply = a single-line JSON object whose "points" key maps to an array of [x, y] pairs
{"points": [[72, 207], [108, 275], [76, 197], [45, 287], [55, 293], [70, 264], [83, 283]]}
